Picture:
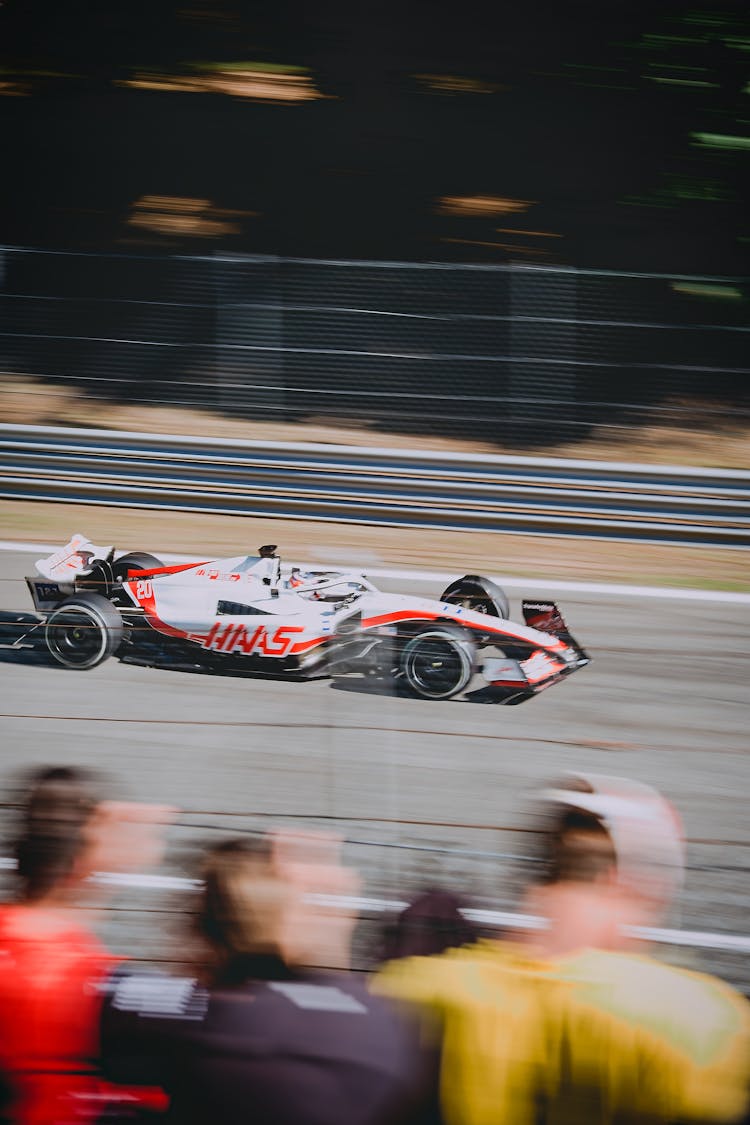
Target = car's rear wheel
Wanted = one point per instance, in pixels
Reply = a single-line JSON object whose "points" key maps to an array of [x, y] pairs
{"points": [[136, 560], [83, 631], [438, 662], [473, 591]]}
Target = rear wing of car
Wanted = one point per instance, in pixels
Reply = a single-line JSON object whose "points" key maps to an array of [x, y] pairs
{"points": [[60, 571], [73, 559]]}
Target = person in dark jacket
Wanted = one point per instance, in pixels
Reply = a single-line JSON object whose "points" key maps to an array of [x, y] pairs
{"points": [[262, 1039]]}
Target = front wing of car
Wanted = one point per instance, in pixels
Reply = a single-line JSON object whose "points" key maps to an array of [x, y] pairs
{"points": [[535, 673]]}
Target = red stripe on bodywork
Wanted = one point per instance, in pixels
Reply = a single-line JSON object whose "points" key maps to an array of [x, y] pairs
{"points": [[409, 615], [304, 646], [530, 685], [398, 615], [163, 570], [148, 605], [527, 682]]}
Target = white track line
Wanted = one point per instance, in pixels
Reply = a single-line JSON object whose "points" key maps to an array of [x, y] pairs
{"points": [[603, 589]]}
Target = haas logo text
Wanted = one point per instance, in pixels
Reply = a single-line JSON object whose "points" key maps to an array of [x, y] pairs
{"points": [[238, 638]]}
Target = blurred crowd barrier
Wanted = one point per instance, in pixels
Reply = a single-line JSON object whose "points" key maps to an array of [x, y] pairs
{"points": [[518, 354], [397, 860]]}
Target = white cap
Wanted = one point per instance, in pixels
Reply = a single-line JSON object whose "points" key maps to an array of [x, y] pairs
{"points": [[645, 829]]}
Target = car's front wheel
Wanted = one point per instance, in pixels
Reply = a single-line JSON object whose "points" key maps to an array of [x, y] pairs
{"points": [[83, 631], [438, 662]]}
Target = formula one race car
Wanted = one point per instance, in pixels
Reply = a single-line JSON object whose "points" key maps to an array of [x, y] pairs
{"points": [[245, 613]]}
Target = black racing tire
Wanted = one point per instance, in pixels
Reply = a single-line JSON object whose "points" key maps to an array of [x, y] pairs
{"points": [[438, 661], [473, 591], [136, 560], [83, 631]]}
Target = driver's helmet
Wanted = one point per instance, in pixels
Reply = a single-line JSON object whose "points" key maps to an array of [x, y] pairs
{"points": [[296, 578]]}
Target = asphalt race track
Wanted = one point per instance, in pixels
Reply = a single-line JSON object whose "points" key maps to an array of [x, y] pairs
{"points": [[665, 700]]}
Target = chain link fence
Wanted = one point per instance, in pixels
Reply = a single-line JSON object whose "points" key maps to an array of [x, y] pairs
{"points": [[518, 354]]}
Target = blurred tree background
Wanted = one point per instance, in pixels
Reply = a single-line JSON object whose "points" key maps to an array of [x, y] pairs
{"points": [[587, 134]]}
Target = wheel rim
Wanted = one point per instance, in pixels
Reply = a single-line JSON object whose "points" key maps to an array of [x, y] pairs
{"points": [[437, 667], [75, 639]]}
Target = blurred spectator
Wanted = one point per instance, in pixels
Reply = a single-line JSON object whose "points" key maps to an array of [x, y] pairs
{"points": [[49, 961], [266, 1040], [568, 1024], [432, 923]]}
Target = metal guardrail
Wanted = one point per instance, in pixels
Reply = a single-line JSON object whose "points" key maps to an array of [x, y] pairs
{"points": [[492, 919], [354, 484]]}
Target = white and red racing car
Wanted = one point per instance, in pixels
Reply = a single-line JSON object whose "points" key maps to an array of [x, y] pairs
{"points": [[249, 613]]}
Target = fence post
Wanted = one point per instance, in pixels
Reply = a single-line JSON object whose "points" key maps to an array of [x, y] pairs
{"points": [[249, 336], [542, 394]]}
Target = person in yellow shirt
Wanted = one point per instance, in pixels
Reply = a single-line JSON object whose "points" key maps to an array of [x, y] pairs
{"points": [[570, 1025]]}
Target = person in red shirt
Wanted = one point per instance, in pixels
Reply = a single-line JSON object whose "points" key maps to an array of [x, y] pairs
{"points": [[50, 961]]}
